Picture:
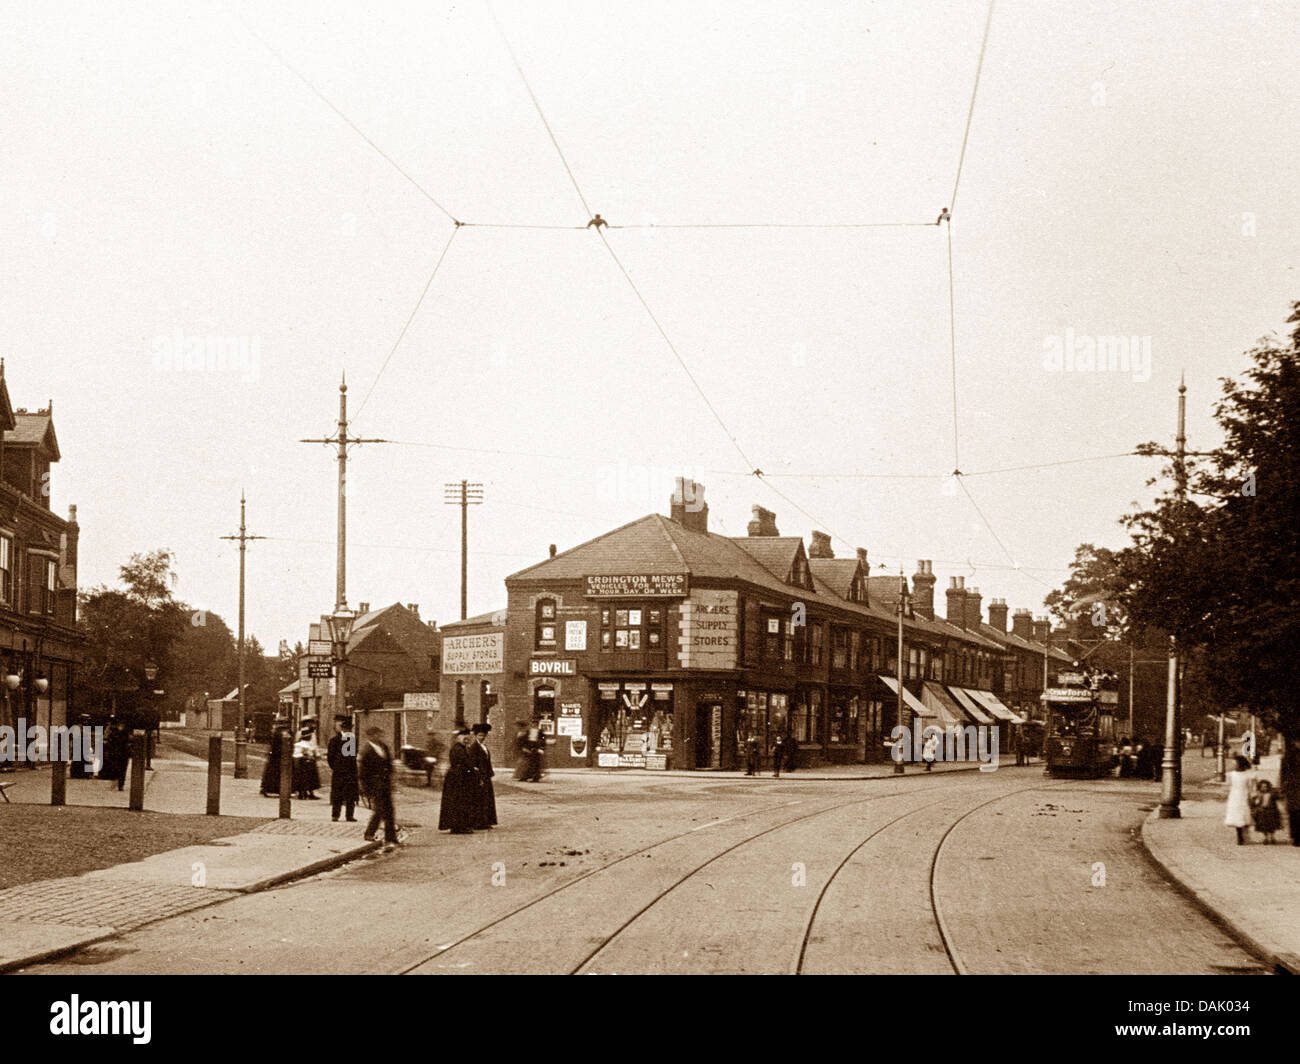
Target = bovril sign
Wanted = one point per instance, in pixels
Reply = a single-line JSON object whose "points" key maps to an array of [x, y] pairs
{"points": [[552, 667]]}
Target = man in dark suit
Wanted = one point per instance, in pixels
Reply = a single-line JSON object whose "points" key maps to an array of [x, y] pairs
{"points": [[341, 755], [377, 784]]}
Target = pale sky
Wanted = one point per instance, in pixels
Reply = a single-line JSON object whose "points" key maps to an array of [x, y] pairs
{"points": [[1130, 171]]}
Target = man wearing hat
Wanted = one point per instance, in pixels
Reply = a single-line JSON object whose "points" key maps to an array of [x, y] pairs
{"points": [[341, 756], [482, 761], [376, 774]]}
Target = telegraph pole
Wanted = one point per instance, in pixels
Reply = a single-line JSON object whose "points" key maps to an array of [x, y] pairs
{"points": [[241, 747], [463, 495], [342, 441], [1171, 775]]}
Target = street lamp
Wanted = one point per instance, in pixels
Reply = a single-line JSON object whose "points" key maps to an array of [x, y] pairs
{"points": [[339, 625], [150, 674]]}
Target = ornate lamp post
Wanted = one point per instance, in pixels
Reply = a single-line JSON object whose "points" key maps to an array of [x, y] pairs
{"points": [[339, 625]]}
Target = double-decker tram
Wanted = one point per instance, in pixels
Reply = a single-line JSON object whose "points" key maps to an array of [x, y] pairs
{"points": [[1080, 737]]}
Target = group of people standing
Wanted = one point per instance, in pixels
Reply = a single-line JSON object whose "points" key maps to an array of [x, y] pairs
{"points": [[1139, 760], [469, 801], [1252, 799], [783, 755], [305, 779]]}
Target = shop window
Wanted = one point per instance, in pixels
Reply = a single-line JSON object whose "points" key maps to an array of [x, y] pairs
{"points": [[544, 708], [630, 727], [547, 625], [816, 712], [631, 627], [800, 717]]}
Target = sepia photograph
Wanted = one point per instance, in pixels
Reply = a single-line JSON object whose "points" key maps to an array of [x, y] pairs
{"points": [[657, 488]]}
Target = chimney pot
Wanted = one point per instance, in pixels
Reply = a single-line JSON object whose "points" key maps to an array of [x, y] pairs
{"points": [[687, 506], [552, 548], [820, 546], [763, 524]]}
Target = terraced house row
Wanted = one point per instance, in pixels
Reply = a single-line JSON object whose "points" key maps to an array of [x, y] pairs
{"points": [[661, 644]]}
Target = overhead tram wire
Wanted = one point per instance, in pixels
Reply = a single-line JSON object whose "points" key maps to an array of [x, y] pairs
{"points": [[350, 124], [993, 532], [410, 318], [970, 111], [540, 113]]}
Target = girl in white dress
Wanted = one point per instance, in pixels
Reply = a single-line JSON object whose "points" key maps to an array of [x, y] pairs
{"points": [[1241, 783]]}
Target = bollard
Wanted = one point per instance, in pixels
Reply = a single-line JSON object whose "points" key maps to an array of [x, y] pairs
{"points": [[214, 775], [137, 771], [58, 783], [286, 775]]}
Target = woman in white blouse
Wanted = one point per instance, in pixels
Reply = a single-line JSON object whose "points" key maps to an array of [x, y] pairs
{"points": [[1238, 813]]}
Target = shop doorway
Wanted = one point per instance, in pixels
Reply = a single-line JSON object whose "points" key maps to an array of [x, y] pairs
{"points": [[708, 735]]}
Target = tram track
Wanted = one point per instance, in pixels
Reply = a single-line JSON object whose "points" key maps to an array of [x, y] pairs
{"points": [[941, 925], [561, 888]]}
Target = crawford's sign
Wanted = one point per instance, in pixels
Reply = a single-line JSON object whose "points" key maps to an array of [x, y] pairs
{"points": [[637, 585], [552, 667]]}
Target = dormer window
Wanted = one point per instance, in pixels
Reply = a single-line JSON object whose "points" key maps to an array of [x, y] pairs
{"points": [[800, 575]]}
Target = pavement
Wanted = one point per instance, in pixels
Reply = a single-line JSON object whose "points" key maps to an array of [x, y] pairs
{"points": [[47, 918], [1252, 890]]}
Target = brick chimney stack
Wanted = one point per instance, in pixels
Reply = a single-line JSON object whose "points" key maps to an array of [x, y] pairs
{"points": [[1022, 624], [1042, 630], [820, 546], [688, 507], [862, 557], [363, 608], [998, 614], [923, 582], [552, 550], [414, 607], [763, 524], [974, 608], [957, 601]]}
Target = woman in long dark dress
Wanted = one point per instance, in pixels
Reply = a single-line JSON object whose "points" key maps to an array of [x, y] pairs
{"points": [[460, 793], [271, 773], [482, 759]]}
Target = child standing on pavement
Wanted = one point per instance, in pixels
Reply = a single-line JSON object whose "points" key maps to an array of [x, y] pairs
{"points": [[1238, 811], [1263, 805]]}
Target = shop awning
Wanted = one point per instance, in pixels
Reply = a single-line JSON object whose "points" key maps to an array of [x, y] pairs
{"points": [[910, 700], [971, 706], [941, 702], [993, 704]]}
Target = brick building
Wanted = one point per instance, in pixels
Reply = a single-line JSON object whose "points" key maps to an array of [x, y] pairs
{"points": [[40, 646], [662, 644]]}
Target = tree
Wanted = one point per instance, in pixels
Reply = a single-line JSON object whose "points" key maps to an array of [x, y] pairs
{"points": [[1221, 570], [1095, 590]]}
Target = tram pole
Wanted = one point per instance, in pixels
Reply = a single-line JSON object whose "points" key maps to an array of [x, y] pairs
{"points": [[1171, 783], [902, 593]]}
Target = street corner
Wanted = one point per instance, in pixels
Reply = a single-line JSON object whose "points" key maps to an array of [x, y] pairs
{"points": [[25, 942]]}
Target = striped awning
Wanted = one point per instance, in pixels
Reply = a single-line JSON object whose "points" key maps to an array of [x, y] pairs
{"points": [[909, 699], [974, 708], [994, 705], [934, 696]]}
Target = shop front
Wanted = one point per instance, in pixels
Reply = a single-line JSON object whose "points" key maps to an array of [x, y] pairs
{"points": [[764, 714], [634, 724]]}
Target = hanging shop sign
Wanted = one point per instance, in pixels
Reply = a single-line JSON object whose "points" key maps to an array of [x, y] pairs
{"points": [[465, 654], [552, 667], [320, 670], [637, 585], [709, 630], [320, 648]]}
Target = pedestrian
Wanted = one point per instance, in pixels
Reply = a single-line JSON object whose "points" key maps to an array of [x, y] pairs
{"points": [[482, 759], [1263, 807], [306, 775], [271, 773], [1238, 812], [791, 753], [778, 755], [1291, 786], [341, 756], [751, 756], [1156, 763], [460, 800], [117, 753], [1125, 758], [930, 750], [523, 759], [1020, 744], [536, 753], [375, 772]]}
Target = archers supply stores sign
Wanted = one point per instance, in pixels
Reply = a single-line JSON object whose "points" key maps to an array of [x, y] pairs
{"points": [[465, 654]]}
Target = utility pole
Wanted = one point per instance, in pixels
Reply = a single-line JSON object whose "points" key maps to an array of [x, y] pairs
{"points": [[241, 746], [342, 441], [1171, 775], [463, 495], [898, 678], [1132, 737]]}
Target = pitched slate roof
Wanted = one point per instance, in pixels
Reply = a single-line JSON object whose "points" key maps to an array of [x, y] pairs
{"points": [[836, 573], [34, 430], [482, 618], [776, 554]]}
